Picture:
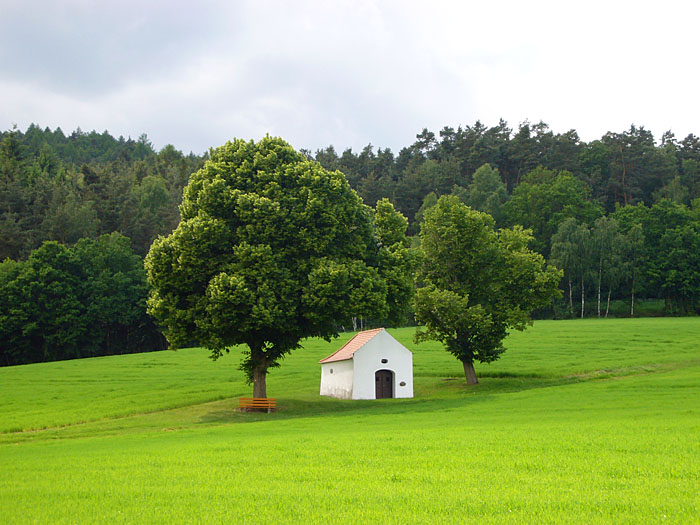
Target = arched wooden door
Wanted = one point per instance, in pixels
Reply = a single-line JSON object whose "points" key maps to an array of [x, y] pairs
{"points": [[383, 384]]}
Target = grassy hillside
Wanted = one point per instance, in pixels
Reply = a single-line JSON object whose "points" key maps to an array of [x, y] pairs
{"points": [[589, 421]]}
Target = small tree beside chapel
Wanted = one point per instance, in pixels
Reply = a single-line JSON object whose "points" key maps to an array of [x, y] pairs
{"points": [[271, 249], [477, 283]]}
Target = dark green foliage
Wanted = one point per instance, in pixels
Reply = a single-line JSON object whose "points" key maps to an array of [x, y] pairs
{"points": [[429, 201], [54, 187], [487, 193], [76, 189], [64, 303], [637, 167], [677, 273], [572, 251], [638, 251], [397, 261], [621, 168], [608, 252], [544, 199], [666, 252], [64, 187]]}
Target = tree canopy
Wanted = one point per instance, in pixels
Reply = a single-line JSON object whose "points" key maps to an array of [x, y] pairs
{"points": [[544, 199]]}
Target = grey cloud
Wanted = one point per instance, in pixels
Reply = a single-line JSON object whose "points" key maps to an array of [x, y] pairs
{"points": [[88, 48], [345, 74], [317, 73]]}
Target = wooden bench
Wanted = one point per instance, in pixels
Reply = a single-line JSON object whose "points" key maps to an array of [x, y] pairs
{"points": [[257, 404]]}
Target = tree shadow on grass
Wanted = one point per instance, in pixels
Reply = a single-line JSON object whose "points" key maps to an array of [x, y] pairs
{"points": [[432, 393]]}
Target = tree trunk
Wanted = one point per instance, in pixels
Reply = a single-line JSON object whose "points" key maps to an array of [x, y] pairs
{"points": [[571, 299], [470, 373], [632, 309], [607, 308], [583, 298], [259, 381], [624, 174], [600, 281]]}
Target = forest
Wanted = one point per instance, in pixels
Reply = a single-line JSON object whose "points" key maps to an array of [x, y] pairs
{"points": [[619, 215]]}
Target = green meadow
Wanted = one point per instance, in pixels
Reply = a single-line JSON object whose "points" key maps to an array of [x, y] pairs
{"points": [[592, 421]]}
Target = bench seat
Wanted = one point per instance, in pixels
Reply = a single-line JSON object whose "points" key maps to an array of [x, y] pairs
{"points": [[257, 404]]}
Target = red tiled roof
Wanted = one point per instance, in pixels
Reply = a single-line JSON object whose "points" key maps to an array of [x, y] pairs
{"points": [[348, 349]]}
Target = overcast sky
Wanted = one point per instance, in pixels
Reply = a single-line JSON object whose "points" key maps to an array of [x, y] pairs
{"points": [[196, 74]]}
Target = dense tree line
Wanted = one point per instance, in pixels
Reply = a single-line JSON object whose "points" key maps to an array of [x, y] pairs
{"points": [[620, 215], [77, 215], [64, 188], [80, 301], [618, 169], [637, 250]]}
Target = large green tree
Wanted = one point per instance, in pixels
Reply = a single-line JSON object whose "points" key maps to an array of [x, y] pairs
{"points": [[271, 249], [477, 283]]}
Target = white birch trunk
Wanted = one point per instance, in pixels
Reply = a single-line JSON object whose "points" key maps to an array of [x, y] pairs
{"points": [[632, 309]]}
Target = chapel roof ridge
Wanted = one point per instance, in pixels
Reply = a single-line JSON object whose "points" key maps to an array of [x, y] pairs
{"points": [[346, 351]]}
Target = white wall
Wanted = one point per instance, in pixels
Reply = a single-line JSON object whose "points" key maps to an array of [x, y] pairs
{"points": [[336, 379], [368, 359]]}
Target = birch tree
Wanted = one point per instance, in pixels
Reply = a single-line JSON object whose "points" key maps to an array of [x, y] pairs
{"points": [[564, 254], [606, 248], [634, 246], [581, 244]]}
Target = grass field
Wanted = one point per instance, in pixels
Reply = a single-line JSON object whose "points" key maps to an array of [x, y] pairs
{"points": [[594, 421]]}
